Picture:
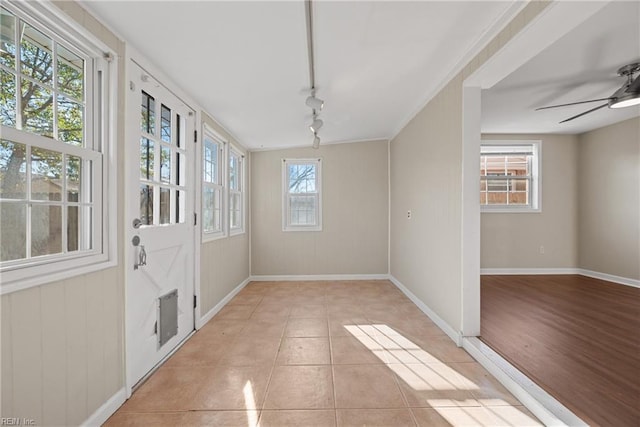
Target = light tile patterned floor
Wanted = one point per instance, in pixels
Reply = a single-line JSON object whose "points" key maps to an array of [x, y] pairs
{"points": [[337, 353]]}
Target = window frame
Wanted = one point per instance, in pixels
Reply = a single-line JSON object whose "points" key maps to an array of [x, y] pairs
{"points": [[286, 217], [208, 132], [535, 197], [234, 151], [99, 147]]}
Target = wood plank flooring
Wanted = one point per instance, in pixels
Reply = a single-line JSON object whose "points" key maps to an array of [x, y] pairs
{"points": [[575, 336]]}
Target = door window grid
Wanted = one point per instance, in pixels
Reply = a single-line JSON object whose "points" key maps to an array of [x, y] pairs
{"points": [[51, 173], [162, 164]]}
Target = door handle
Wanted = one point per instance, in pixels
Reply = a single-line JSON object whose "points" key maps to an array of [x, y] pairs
{"points": [[142, 254]]}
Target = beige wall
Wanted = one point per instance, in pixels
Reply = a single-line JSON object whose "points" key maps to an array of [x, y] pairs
{"points": [[62, 343], [609, 199], [513, 240], [224, 263], [426, 177], [355, 204]]}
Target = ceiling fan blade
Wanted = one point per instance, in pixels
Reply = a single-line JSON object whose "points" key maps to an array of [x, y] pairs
{"points": [[573, 103], [634, 87], [586, 112]]}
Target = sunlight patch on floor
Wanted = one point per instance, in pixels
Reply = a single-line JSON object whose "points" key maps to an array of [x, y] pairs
{"points": [[250, 405], [490, 416]]}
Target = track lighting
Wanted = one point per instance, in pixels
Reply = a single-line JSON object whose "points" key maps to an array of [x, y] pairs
{"points": [[316, 141], [316, 125], [315, 103]]}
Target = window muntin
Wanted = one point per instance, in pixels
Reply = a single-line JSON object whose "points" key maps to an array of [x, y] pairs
{"points": [[509, 176], [213, 151], [302, 195], [236, 190], [162, 161], [50, 160]]}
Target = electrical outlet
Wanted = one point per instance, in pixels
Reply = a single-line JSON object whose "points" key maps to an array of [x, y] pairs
{"points": [[542, 249], [408, 214]]}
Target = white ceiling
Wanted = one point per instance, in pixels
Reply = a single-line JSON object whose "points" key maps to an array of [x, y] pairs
{"points": [[246, 62], [580, 66]]}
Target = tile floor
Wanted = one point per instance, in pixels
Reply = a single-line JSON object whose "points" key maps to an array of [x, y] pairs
{"points": [[335, 353]]}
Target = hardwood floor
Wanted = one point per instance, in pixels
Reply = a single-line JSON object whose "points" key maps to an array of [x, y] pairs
{"points": [[575, 336]]}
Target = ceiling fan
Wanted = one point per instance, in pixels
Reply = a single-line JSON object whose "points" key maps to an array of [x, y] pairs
{"points": [[626, 96]]}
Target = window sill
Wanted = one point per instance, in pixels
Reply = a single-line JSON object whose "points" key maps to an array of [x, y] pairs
{"points": [[28, 277], [210, 237], [236, 232], [510, 210], [286, 229]]}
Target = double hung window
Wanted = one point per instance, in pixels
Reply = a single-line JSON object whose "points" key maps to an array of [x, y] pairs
{"points": [[302, 195], [53, 113]]}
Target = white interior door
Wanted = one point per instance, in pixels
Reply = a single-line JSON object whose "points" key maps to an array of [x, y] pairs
{"points": [[160, 222]]}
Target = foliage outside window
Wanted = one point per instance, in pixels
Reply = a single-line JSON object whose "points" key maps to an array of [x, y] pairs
{"points": [[50, 153], [302, 195], [212, 185], [236, 190], [509, 176]]}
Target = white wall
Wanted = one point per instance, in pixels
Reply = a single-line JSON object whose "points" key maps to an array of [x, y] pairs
{"points": [[513, 240], [354, 236], [62, 342], [609, 200], [426, 177]]}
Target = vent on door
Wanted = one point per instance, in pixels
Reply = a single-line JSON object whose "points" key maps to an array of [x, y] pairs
{"points": [[167, 317]]}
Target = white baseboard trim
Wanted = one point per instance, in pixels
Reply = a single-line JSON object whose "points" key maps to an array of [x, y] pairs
{"points": [[102, 414], [285, 277], [595, 274], [517, 271], [209, 315], [446, 328], [611, 278], [533, 397]]}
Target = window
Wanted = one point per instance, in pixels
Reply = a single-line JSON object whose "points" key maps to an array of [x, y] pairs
{"points": [[509, 176], [212, 185], [236, 191], [302, 180], [52, 92]]}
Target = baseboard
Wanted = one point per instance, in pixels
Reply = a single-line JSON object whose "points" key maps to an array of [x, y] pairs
{"points": [[285, 277], [446, 328], [533, 271], [610, 278], [102, 414], [533, 397], [209, 315]]}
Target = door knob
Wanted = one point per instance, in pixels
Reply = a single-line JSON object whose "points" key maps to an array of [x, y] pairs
{"points": [[137, 223]]}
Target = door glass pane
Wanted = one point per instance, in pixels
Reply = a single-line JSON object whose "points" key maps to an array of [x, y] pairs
{"points": [[46, 230], [70, 73], [74, 172], [146, 204], [7, 99], [165, 164], [180, 207], [165, 206], [148, 120], [165, 125], [46, 168], [13, 165], [73, 228], [8, 41], [180, 169], [35, 55], [37, 109], [13, 228], [146, 158], [70, 121]]}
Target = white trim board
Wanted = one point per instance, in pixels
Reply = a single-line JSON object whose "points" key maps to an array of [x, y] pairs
{"points": [[224, 301], [581, 271], [446, 328], [533, 397], [314, 277], [108, 408]]}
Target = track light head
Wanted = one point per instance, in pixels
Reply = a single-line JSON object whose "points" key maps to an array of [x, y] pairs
{"points": [[315, 103], [316, 125], [316, 142]]}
